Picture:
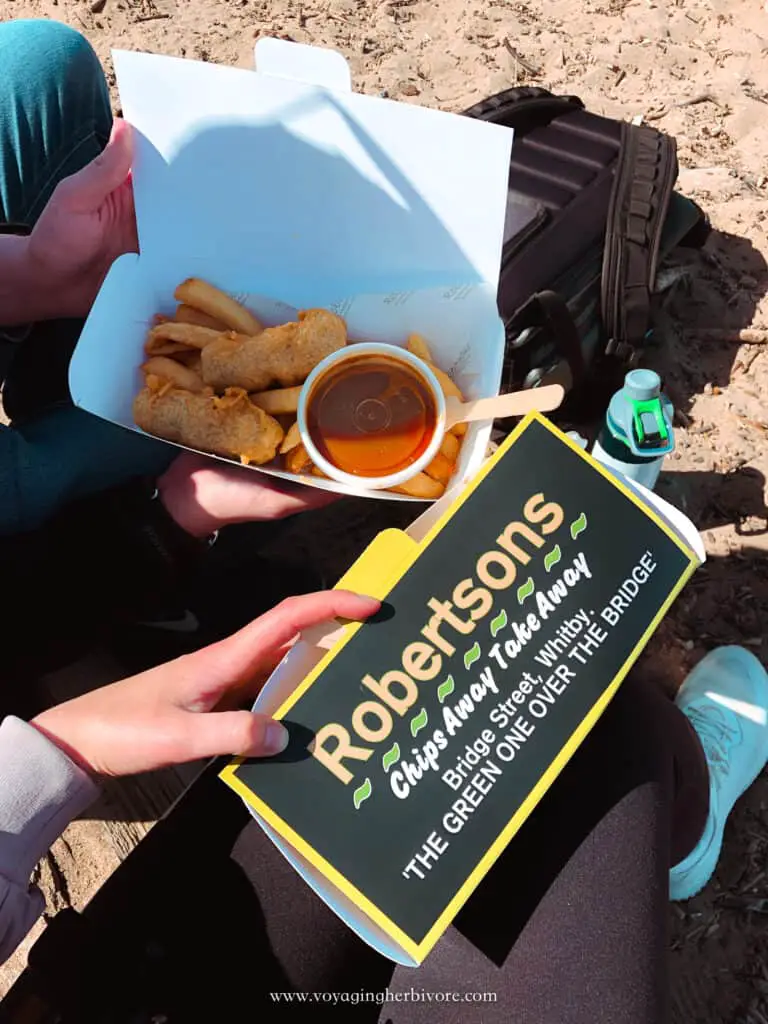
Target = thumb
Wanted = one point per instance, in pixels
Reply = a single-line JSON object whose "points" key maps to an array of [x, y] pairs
{"points": [[216, 669], [230, 732], [87, 190]]}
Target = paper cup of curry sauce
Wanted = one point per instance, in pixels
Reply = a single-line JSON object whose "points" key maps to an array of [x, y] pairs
{"points": [[371, 415]]}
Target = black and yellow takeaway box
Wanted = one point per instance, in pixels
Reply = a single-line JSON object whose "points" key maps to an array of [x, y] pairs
{"points": [[422, 739]]}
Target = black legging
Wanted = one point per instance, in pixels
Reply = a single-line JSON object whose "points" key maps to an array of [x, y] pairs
{"points": [[206, 919]]}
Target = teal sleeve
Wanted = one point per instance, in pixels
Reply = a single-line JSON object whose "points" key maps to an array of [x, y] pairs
{"points": [[66, 455]]}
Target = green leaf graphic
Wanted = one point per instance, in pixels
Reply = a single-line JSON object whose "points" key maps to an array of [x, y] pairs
{"points": [[472, 655], [526, 590], [552, 557], [362, 793], [578, 525], [445, 689], [391, 757], [499, 622], [419, 722]]}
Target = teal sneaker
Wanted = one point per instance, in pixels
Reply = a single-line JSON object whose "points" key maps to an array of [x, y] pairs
{"points": [[725, 698]]}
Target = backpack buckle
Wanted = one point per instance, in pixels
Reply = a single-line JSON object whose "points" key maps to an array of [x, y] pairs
{"points": [[624, 352]]}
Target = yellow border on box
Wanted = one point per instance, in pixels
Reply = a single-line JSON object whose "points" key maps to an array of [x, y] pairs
{"points": [[384, 575]]}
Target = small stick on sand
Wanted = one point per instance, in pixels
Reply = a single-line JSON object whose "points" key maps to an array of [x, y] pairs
{"points": [[524, 64], [704, 97]]}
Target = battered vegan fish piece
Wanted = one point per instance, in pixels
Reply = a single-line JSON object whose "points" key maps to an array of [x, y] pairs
{"points": [[282, 355], [228, 425]]}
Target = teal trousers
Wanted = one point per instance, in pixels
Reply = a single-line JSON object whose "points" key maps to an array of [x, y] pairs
{"points": [[55, 117]]}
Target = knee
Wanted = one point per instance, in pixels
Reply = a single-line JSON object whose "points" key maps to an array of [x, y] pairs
{"points": [[45, 45]]}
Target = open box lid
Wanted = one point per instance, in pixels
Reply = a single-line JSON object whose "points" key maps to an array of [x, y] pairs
{"points": [[344, 192]]}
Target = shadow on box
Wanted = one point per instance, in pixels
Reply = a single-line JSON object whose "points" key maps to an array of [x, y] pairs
{"points": [[325, 186]]}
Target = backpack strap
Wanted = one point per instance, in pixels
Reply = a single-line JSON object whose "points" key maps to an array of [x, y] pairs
{"points": [[645, 175], [558, 319], [524, 108], [545, 314]]}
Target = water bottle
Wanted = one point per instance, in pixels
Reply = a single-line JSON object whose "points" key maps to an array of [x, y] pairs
{"points": [[637, 433]]}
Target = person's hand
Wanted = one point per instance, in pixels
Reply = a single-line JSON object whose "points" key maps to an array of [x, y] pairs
{"points": [[175, 713], [88, 222], [203, 496]]}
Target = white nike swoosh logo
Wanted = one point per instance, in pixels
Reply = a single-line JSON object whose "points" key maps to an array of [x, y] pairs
{"points": [[188, 623]]}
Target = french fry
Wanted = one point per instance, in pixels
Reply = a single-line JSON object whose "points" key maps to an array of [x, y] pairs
{"points": [[277, 402], [168, 348], [450, 446], [316, 471], [169, 370], [189, 335], [450, 390], [189, 315], [291, 440], [421, 486], [417, 346], [206, 298], [440, 468], [297, 460]]}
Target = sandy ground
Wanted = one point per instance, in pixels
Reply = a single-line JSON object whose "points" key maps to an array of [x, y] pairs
{"points": [[695, 69]]}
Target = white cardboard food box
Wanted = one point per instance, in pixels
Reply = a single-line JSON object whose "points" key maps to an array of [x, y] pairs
{"points": [[282, 182], [305, 655]]}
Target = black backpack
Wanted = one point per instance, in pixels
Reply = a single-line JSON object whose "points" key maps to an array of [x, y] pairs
{"points": [[591, 211]]}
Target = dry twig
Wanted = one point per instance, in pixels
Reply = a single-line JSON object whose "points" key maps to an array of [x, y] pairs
{"points": [[524, 64], [703, 97]]}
